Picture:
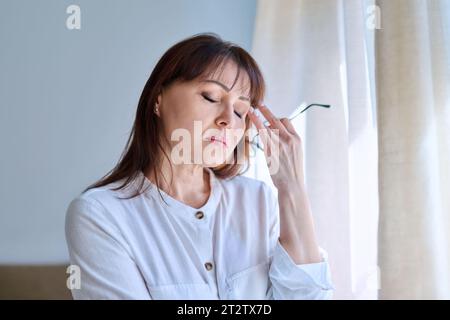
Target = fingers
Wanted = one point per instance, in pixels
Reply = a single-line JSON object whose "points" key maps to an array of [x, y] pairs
{"points": [[283, 126], [274, 121], [288, 125], [255, 119], [263, 131]]}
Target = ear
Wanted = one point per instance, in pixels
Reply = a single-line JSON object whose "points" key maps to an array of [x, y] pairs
{"points": [[159, 98], [157, 106]]}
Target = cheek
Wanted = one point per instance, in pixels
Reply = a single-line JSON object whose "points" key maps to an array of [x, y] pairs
{"points": [[236, 135], [181, 116], [187, 124]]}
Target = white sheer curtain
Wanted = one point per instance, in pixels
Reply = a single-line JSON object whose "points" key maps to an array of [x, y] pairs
{"points": [[329, 52], [319, 51], [413, 90]]}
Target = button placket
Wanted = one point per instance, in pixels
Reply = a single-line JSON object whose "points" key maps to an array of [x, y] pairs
{"points": [[205, 243]]}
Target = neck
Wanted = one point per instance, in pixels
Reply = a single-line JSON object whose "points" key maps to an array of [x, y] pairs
{"points": [[188, 183]]}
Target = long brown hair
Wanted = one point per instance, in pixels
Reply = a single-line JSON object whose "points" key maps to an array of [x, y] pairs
{"points": [[190, 59]]}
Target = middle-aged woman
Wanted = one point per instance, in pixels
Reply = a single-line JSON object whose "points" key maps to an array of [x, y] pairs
{"points": [[175, 219]]}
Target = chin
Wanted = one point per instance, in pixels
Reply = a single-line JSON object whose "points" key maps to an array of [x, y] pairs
{"points": [[214, 157], [214, 164]]}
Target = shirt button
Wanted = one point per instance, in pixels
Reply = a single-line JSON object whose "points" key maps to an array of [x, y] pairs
{"points": [[208, 266], [199, 215]]}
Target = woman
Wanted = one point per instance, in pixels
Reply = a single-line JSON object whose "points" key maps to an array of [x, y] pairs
{"points": [[175, 219]]}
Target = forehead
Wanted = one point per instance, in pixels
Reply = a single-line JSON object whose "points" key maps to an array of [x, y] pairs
{"points": [[227, 74]]}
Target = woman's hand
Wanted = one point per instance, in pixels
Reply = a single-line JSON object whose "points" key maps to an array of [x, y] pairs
{"points": [[284, 155], [282, 149]]}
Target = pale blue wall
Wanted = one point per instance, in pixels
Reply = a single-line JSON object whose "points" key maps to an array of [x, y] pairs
{"points": [[67, 100]]}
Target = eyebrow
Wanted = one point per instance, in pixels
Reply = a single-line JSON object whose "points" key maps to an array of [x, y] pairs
{"points": [[226, 88]]}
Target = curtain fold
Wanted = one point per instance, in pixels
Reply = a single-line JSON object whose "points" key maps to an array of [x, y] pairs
{"points": [[361, 160], [413, 86], [317, 51]]}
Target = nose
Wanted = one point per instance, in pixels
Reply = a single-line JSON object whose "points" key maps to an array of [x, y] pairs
{"points": [[225, 118]]}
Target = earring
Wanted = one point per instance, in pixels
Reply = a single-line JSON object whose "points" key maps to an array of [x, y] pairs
{"points": [[156, 108]]}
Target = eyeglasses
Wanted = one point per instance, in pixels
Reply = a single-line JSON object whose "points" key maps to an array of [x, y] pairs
{"points": [[299, 110]]}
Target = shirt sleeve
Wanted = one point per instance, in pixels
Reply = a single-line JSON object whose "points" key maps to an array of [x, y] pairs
{"points": [[107, 269], [290, 281]]}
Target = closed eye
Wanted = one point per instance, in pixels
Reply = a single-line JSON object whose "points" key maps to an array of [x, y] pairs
{"points": [[214, 101], [208, 99]]}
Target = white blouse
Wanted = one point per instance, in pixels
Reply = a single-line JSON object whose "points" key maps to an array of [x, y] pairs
{"points": [[142, 248]]}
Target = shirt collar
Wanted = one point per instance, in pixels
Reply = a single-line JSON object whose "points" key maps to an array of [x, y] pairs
{"points": [[151, 191]]}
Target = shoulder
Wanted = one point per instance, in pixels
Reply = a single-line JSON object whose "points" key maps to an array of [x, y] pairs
{"points": [[89, 221], [92, 198], [93, 204]]}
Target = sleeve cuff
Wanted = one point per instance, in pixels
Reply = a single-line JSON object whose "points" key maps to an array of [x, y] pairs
{"points": [[284, 269]]}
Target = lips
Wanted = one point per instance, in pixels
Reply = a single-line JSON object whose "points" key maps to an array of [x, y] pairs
{"points": [[218, 139]]}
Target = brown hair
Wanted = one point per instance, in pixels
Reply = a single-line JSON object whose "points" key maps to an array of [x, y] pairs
{"points": [[190, 59]]}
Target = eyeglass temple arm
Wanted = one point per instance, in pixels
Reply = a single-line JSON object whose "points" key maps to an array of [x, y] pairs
{"points": [[311, 105], [316, 104]]}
